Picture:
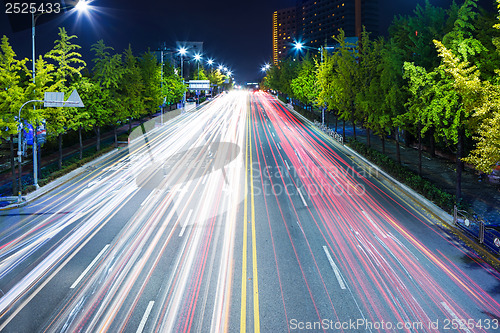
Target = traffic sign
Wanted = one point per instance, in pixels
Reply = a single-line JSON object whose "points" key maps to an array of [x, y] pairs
{"points": [[56, 99]]}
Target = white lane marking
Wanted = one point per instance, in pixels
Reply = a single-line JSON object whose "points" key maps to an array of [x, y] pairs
{"points": [[300, 227], [273, 135], [89, 267], [145, 317], [334, 179], [302, 197], [186, 223], [335, 268], [278, 145], [152, 194], [287, 166], [455, 317], [374, 224], [204, 179]]}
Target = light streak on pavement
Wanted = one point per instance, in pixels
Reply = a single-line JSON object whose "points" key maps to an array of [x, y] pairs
{"points": [[235, 217]]}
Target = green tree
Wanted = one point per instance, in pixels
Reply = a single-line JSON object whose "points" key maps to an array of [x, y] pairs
{"points": [[172, 88], [369, 97], [216, 78], [338, 78], [104, 76], [11, 96], [304, 86], [82, 117], [11, 92], [131, 87], [68, 66], [199, 74], [151, 77], [487, 107], [437, 97]]}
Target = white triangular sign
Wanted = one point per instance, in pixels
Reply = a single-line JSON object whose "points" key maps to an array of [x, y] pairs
{"points": [[74, 100]]}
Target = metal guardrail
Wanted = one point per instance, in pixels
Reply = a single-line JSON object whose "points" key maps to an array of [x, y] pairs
{"points": [[328, 131], [476, 227]]}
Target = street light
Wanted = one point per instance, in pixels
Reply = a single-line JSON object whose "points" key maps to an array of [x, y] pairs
{"points": [[197, 57], [182, 52], [266, 67], [81, 6], [210, 63], [299, 46]]}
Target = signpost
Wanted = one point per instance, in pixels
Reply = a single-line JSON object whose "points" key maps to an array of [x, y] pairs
{"points": [[51, 99], [199, 85]]}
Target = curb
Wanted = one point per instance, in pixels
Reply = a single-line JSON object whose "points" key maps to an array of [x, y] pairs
{"points": [[58, 182], [75, 173], [409, 193]]}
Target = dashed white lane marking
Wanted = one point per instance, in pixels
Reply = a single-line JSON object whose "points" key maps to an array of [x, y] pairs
{"points": [[302, 197], [89, 267], [145, 317], [186, 223], [374, 224], [287, 166], [335, 268], [455, 317]]}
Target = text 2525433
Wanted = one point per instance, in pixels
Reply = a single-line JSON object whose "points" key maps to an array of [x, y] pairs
{"points": [[32, 8]]}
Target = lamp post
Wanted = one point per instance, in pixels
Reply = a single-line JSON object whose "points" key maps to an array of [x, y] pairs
{"points": [[81, 6], [182, 52], [197, 57], [210, 63], [299, 46]]}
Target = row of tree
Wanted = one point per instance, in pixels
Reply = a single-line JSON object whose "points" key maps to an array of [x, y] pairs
{"points": [[436, 77], [117, 88]]}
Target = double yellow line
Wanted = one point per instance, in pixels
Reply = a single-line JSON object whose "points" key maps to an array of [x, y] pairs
{"points": [[249, 173]]}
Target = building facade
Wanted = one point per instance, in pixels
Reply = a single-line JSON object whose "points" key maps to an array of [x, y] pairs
{"points": [[315, 22], [284, 32]]}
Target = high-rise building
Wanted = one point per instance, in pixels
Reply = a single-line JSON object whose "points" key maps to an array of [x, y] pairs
{"points": [[284, 32], [315, 22]]}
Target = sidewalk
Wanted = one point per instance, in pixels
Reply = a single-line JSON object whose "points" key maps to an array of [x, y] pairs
{"points": [[68, 152], [482, 196]]}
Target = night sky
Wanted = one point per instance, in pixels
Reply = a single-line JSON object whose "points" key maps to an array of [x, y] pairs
{"points": [[236, 33]]}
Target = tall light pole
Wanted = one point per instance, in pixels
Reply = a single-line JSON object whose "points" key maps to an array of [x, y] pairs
{"points": [[182, 52], [197, 57], [299, 46], [210, 63], [162, 48], [81, 6]]}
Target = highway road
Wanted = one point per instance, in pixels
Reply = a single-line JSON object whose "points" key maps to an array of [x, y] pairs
{"points": [[237, 216]]}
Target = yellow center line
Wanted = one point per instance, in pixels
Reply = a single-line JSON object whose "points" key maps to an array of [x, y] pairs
{"points": [[256, 315], [243, 315]]}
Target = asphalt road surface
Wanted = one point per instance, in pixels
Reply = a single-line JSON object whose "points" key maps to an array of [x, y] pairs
{"points": [[236, 217]]}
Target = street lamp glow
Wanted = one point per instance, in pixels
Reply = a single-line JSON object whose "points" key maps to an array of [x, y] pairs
{"points": [[197, 57], [266, 67], [210, 62], [298, 45], [82, 6], [221, 68], [182, 51], [229, 73]]}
